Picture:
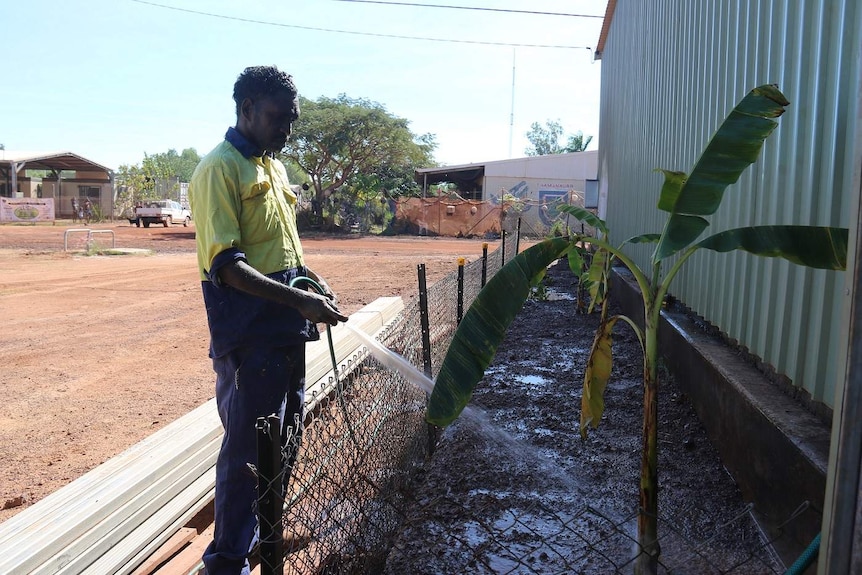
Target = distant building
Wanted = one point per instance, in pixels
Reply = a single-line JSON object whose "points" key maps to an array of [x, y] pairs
{"points": [[532, 186], [65, 176]]}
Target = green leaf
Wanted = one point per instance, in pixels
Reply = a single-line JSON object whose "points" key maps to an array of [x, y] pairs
{"points": [[597, 279], [672, 188], [482, 329], [596, 378], [643, 239], [585, 216], [576, 261], [679, 232], [734, 147], [812, 246]]}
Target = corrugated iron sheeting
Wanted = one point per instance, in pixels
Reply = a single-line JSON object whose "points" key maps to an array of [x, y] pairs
{"points": [[671, 71]]}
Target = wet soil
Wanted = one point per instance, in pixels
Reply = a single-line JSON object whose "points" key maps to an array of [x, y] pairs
{"points": [[515, 489]]}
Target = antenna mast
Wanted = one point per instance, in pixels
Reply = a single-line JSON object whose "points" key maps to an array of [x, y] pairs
{"points": [[512, 111]]}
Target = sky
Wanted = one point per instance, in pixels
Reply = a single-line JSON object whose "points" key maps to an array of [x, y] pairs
{"points": [[113, 80]]}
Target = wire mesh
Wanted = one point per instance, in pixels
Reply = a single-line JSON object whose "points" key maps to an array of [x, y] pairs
{"points": [[363, 497]]}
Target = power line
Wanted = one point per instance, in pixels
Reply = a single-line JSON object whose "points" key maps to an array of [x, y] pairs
{"points": [[355, 33], [411, 4]]}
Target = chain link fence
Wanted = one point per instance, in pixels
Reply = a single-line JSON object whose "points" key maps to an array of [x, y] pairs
{"points": [[364, 499]]}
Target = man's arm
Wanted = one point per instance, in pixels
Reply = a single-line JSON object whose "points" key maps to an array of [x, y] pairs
{"points": [[316, 308]]}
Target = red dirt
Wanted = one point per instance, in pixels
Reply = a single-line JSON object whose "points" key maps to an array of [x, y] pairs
{"points": [[99, 352]]}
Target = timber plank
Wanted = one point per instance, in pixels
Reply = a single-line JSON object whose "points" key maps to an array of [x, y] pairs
{"points": [[190, 557], [170, 548]]}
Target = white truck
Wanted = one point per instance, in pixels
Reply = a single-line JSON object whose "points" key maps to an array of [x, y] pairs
{"points": [[165, 212]]}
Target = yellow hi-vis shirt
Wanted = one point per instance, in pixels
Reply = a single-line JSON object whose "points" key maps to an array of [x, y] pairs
{"points": [[244, 205]]}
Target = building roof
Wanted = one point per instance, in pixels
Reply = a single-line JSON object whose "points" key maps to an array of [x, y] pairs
{"points": [[49, 161], [606, 27], [467, 175]]}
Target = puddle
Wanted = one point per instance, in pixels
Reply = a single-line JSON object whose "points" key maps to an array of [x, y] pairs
{"points": [[553, 295], [532, 380]]}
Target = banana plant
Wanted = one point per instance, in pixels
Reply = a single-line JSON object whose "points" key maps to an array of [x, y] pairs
{"points": [[688, 199]]}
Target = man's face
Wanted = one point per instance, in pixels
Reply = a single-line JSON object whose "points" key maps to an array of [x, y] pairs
{"points": [[268, 120]]}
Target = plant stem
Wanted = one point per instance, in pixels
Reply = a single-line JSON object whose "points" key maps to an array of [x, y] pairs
{"points": [[648, 501]]}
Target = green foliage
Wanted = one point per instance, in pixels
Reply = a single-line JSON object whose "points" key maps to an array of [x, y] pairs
{"points": [[355, 148], [577, 142], [545, 140], [558, 229], [132, 187], [734, 147], [812, 246], [171, 166]]}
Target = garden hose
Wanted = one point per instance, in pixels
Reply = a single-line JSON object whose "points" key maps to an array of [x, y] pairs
{"points": [[806, 559], [317, 287], [322, 292]]}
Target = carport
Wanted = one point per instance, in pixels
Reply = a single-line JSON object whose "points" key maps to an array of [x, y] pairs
{"points": [[90, 180], [469, 178]]}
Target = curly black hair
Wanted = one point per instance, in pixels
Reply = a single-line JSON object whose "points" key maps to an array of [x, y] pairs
{"points": [[261, 81]]}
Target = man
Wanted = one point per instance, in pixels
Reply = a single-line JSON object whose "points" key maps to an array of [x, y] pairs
{"points": [[248, 252]]}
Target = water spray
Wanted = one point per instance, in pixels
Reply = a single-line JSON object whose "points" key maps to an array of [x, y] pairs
{"points": [[393, 361]]}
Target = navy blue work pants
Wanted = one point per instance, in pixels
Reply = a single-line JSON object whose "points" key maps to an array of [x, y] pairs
{"points": [[250, 383]]}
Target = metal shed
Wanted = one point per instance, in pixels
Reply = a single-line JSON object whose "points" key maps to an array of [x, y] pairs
{"points": [[671, 71]]}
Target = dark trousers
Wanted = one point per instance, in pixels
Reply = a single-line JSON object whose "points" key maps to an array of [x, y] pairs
{"points": [[250, 383]]}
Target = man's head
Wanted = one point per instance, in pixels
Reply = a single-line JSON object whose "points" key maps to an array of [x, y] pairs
{"points": [[266, 106]]}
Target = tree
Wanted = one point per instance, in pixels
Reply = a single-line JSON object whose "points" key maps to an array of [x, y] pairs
{"points": [[133, 186], [545, 140], [687, 198], [578, 142], [172, 166], [338, 139]]}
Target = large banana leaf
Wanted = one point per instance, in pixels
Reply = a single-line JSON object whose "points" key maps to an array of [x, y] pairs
{"points": [[733, 148], [482, 329], [812, 246]]}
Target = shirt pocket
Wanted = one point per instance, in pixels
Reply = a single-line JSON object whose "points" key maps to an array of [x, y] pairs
{"points": [[259, 213]]}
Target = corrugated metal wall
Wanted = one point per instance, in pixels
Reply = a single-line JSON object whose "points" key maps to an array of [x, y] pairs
{"points": [[671, 72]]}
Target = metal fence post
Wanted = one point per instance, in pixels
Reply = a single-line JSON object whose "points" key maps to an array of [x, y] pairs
{"points": [[518, 237], [269, 503], [426, 347], [484, 262], [423, 320], [503, 248], [460, 311]]}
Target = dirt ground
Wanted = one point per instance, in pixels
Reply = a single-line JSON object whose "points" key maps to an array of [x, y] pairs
{"points": [[99, 352]]}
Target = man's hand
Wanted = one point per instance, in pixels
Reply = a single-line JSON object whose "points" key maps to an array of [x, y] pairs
{"points": [[319, 309]]}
